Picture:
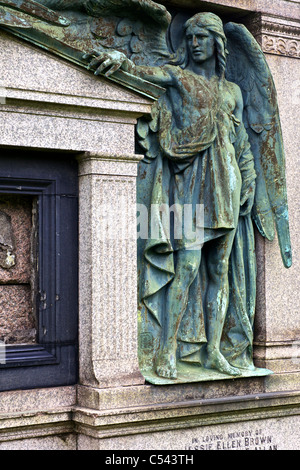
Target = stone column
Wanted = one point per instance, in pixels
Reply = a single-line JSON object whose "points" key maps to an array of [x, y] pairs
{"points": [[108, 271]]}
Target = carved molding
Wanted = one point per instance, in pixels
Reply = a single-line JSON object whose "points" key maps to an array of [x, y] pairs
{"points": [[281, 46], [281, 29], [276, 35]]}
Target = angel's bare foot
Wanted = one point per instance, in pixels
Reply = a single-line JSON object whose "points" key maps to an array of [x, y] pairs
{"points": [[217, 361], [166, 365]]}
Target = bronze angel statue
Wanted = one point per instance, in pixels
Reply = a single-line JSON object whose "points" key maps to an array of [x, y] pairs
{"points": [[214, 142]]}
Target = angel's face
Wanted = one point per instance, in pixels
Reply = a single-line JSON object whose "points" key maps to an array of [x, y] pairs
{"points": [[201, 43]]}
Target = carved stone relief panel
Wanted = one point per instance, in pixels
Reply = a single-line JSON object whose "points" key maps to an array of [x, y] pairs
{"points": [[281, 46]]}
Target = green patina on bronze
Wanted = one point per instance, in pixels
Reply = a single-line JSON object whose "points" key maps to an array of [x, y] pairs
{"points": [[33, 9], [213, 139]]}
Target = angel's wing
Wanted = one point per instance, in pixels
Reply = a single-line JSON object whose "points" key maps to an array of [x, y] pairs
{"points": [[64, 4], [12, 20], [248, 68], [31, 7], [137, 28]]}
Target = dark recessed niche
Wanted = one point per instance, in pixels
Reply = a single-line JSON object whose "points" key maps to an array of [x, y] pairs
{"points": [[39, 316]]}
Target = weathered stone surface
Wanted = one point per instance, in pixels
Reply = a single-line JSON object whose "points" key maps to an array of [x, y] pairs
{"points": [[7, 244], [188, 424], [65, 441], [79, 111], [17, 322], [284, 8], [19, 211], [108, 325], [277, 323], [270, 434], [17, 318], [23, 401]]}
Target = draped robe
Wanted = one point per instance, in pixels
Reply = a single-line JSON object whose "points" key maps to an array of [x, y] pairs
{"points": [[204, 160]]}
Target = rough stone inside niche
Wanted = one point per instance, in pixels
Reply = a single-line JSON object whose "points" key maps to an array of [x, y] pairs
{"points": [[18, 230]]}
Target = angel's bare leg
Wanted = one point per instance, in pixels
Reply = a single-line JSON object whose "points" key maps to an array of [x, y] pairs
{"points": [[187, 266], [217, 302]]}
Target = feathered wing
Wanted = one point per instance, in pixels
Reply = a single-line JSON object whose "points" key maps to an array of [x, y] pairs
{"points": [[12, 20], [248, 68], [64, 4], [137, 28], [9, 13]]}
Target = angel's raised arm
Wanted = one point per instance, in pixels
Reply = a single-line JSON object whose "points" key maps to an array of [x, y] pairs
{"points": [[111, 61]]}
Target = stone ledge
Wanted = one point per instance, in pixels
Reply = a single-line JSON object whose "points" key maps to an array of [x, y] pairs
{"points": [[65, 132], [17, 426], [278, 356], [79, 107], [179, 415], [282, 381], [41, 420], [24, 401], [101, 164], [150, 397], [36, 413], [120, 398]]}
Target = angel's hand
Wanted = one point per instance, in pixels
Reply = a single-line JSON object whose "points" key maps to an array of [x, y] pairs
{"points": [[110, 61], [247, 201]]}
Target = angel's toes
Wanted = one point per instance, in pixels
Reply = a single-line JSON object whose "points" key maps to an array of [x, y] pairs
{"points": [[218, 362], [166, 366], [167, 372]]}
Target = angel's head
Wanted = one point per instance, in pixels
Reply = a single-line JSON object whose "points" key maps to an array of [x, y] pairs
{"points": [[210, 29]]}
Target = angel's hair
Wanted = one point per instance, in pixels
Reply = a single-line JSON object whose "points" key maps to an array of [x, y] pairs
{"points": [[222, 54], [213, 24]]}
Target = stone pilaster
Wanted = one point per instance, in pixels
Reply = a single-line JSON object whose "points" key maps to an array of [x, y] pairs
{"points": [[276, 35], [108, 270], [277, 328]]}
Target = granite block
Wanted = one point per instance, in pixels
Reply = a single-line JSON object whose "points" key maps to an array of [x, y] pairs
{"points": [[65, 79], [284, 8], [270, 434], [278, 300], [21, 401], [64, 441], [107, 234]]}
